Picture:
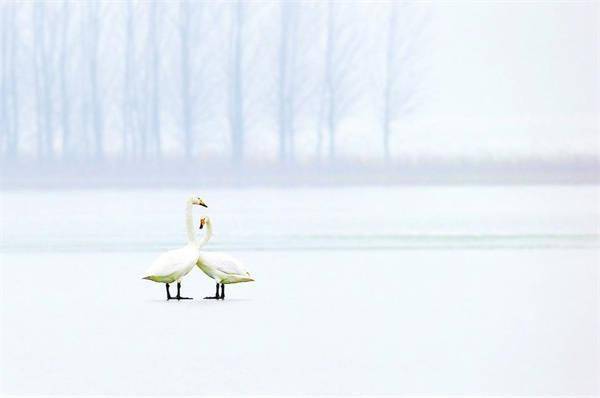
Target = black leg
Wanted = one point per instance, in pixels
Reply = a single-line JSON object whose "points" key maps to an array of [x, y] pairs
{"points": [[222, 291], [216, 296], [179, 293], [168, 292]]}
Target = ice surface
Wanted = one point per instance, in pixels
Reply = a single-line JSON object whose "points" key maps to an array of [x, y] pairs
{"points": [[314, 218], [465, 322], [462, 319]]}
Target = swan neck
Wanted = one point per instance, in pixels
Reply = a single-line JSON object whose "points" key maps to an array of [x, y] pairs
{"points": [[189, 223], [207, 235]]}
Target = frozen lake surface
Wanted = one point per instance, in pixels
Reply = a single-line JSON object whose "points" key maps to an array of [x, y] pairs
{"points": [[424, 290], [298, 219]]}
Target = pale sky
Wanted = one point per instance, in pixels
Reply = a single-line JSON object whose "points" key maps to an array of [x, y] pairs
{"points": [[502, 79], [513, 78]]}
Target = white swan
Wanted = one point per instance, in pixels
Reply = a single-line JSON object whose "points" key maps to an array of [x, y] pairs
{"points": [[173, 265], [223, 268]]}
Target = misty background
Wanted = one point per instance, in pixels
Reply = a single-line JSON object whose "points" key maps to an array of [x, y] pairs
{"points": [[415, 187], [150, 91]]}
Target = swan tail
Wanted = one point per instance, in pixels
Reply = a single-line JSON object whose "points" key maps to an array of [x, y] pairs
{"points": [[237, 279]]}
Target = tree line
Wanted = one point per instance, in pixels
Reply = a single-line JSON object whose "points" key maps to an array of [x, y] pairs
{"points": [[141, 80]]}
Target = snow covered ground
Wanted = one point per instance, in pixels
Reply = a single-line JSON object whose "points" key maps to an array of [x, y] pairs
{"points": [[357, 309]]}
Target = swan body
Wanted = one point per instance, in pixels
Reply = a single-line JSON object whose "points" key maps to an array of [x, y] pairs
{"points": [[221, 267], [173, 265]]}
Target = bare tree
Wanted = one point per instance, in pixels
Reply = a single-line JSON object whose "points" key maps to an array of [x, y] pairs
{"points": [[83, 140], [93, 28], [154, 79], [128, 134], [65, 95], [137, 82], [296, 69], [4, 134], [38, 43], [288, 75], [339, 91], [237, 65], [198, 93], [43, 61], [283, 72], [405, 29], [186, 98], [13, 91], [236, 89]]}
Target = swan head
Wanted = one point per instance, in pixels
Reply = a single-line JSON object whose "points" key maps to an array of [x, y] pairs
{"points": [[196, 200], [204, 221]]}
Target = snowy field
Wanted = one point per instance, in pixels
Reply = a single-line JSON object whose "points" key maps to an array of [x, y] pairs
{"points": [[423, 290]]}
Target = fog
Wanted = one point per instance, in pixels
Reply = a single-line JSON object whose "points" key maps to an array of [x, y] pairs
{"points": [[414, 187], [403, 88]]}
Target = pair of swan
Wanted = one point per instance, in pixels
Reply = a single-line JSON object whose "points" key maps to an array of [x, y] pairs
{"points": [[173, 265]]}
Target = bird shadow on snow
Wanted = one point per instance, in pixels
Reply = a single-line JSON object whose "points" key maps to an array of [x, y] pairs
{"points": [[199, 301]]}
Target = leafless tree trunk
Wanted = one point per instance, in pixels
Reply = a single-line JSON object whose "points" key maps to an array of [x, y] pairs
{"points": [[65, 96], [95, 100], [129, 136], [236, 92], [287, 76], [405, 30], [283, 85], [154, 80], [339, 89], [12, 87], [186, 99], [4, 134], [389, 76], [329, 86], [40, 69]]}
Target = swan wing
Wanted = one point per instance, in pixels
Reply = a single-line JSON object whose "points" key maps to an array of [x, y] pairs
{"points": [[223, 263], [172, 261]]}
